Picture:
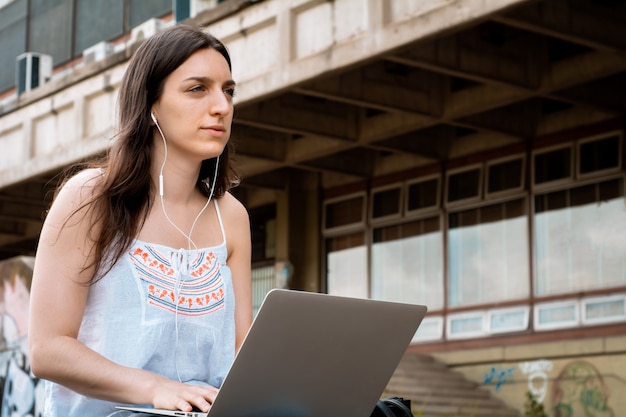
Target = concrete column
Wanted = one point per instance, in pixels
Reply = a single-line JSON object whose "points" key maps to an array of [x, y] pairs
{"points": [[297, 216]]}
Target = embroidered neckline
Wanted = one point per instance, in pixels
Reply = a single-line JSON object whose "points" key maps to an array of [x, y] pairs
{"points": [[185, 282], [139, 242]]}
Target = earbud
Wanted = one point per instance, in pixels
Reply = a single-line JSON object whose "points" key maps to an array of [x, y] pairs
{"points": [[153, 117]]}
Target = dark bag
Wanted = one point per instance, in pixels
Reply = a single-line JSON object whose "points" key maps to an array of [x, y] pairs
{"points": [[392, 407]]}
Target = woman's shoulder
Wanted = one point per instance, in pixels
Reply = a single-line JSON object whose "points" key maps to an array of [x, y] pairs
{"points": [[69, 212], [234, 216], [236, 226], [80, 187], [85, 179], [231, 207]]}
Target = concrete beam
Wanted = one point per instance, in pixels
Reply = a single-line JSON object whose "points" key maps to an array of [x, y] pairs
{"points": [[598, 27]]}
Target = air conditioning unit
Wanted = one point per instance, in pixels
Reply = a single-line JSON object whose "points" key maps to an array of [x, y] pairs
{"points": [[197, 6], [146, 29], [97, 52], [32, 69]]}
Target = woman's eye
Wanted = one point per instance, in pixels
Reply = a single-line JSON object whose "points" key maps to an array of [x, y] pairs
{"points": [[230, 91], [196, 88]]}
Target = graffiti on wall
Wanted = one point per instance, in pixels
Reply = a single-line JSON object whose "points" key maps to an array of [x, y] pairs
{"points": [[537, 374], [22, 394], [577, 390], [498, 376]]}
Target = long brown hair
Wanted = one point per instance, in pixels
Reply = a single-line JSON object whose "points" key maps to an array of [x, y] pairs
{"points": [[121, 203]]}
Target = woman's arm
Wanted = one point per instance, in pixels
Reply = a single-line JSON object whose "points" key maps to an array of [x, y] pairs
{"points": [[58, 296], [237, 227]]}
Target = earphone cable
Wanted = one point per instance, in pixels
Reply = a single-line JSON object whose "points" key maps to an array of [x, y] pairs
{"points": [[190, 242]]}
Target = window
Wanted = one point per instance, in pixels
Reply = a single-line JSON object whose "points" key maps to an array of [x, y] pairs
{"points": [[553, 165], [488, 322], [263, 280], [579, 242], [574, 312], [549, 316], [56, 39], [596, 156], [464, 325], [263, 236], [508, 320], [488, 254], [12, 40], [430, 329], [505, 176], [346, 265], [97, 21], [348, 211], [182, 10], [606, 309], [263, 232], [422, 195], [140, 10], [464, 185], [407, 263], [386, 203], [466, 257]]}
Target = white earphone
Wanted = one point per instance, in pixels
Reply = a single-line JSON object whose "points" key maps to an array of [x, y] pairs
{"points": [[153, 117]]}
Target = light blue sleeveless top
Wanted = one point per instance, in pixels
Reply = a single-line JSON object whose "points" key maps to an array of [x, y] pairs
{"points": [[169, 311]]}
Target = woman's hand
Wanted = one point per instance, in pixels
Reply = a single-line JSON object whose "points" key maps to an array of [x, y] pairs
{"points": [[172, 395]]}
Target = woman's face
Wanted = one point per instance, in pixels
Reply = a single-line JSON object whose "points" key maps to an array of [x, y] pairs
{"points": [[195, 110]]}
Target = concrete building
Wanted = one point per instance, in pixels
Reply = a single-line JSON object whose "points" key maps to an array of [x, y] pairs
{"points": [[463, 154]]}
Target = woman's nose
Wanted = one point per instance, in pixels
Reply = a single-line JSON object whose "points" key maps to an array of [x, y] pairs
{"points": [[221, 103]]}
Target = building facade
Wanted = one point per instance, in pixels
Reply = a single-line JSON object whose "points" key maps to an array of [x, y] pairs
{"points": [[463, 154]]}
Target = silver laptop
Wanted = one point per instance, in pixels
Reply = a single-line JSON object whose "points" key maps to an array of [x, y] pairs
{"points": [[313, 355]]}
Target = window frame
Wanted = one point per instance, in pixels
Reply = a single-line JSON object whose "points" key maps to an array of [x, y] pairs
{"points": [[524, 309], [394, 216], [367, 288], [598, 299], [436, 277], [468, 200], [425, 211], [467, 314], [436, 322], [510, 191], [537, 326], [446, 229], [608, 171], [346, 228], [561, 182], [568, 189]]}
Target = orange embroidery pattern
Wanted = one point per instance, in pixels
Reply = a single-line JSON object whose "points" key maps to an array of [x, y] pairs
{"points": [[198, 292]]}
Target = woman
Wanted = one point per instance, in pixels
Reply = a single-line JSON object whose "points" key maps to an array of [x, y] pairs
{"points": [[141, 289]]}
